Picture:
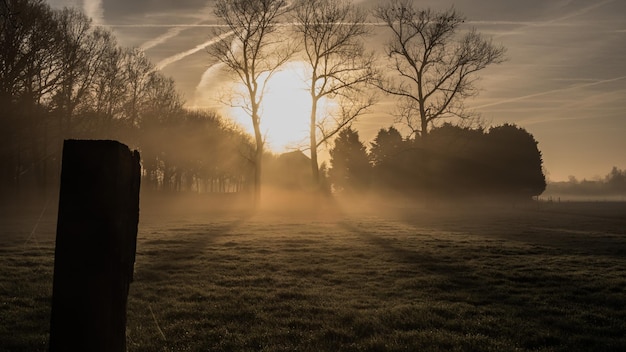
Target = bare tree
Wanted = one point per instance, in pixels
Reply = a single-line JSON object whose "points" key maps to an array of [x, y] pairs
{"points": [[433, 67], [331, 33], [109, 86], [250, 49], [27, 76], [82, 52], [137, 71]]}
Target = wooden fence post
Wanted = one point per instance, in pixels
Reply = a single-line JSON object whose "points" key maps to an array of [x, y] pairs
{"points": [[95, 246]]}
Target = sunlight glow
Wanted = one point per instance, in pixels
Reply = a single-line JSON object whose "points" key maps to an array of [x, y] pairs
{"points": [[286, 110]]}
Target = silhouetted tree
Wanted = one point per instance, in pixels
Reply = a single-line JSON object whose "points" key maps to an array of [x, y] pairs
{"points": [[194, 151], [109, 88], [62, 77], [517, 165], [460, 162], [27, 75], [432, 68], [386, 146], [350, 167], [331, 33], [616, 180], [82, 51], [388, 155], [455, 160], [250, 48]]}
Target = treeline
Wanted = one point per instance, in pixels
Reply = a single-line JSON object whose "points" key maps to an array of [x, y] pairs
{"points": [[451, 161], [612, 184], [62, 77]]}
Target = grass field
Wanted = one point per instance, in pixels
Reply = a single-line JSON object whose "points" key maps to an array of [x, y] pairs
{"points": [[543, 277]]}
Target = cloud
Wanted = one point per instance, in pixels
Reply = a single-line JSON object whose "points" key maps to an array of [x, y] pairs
{"points": [[171, 33], [548, 92], [204, 94], [582, 11], [174, 58], [94, 9], [558, 21]]}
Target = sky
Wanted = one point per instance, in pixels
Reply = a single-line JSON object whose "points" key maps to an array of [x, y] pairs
{"points": [[564, 80]]}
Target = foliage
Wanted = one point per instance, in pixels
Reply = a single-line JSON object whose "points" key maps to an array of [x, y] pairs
{"points": [[349, 161], [453, 162], [195, 151], [515, 162]]}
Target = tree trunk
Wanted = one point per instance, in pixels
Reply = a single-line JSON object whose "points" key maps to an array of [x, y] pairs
{"points": [[258, 158], [313, 143]]}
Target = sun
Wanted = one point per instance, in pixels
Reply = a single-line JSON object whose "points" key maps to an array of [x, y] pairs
{"points": [[285, 109]]}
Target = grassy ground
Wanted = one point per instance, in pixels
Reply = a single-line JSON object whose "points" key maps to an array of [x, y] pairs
{"points": [[549, 277]]}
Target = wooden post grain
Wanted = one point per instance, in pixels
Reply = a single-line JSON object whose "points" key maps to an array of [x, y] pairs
{"points": [[95, 246]]}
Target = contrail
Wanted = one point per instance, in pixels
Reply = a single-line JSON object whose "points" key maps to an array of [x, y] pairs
{"points": [[175, 30], [155, 25], [573, 14], [171, 33], [582, 11], [169, 60], [585, 85]]}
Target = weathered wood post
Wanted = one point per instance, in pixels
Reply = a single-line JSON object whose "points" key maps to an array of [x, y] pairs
{"points": [[95, 246]]}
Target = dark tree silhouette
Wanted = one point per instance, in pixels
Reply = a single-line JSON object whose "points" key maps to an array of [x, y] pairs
{"points": [[350, 167], [61, 77], [459, 162], [388, 154], [516, 162], [431, 66], [387, 145], [28, 74]]}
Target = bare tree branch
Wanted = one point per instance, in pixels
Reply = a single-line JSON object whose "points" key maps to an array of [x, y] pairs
{"points": [[433, 67], [253, 55], [331, 34]]}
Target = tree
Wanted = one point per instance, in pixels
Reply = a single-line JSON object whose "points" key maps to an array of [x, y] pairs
{"points": [[388, 154], [253, 55], [331, 33], [387, 145], [517, 165], [109, 89], [433, 68], [83, 51], [138, 72], [350, 167]]}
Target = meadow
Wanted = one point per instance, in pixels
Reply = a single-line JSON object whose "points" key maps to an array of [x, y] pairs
{"points": [[429, 277]]}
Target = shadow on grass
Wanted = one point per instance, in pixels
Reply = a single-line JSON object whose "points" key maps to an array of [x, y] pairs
{"points": [[537, 292], [178, 248]]}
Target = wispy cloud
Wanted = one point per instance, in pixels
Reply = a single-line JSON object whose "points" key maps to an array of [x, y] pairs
{"points": [[582, 11], [94, 9], [171, 25], [560, 21], [171, 33], [169, 60], [548, 92]]}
